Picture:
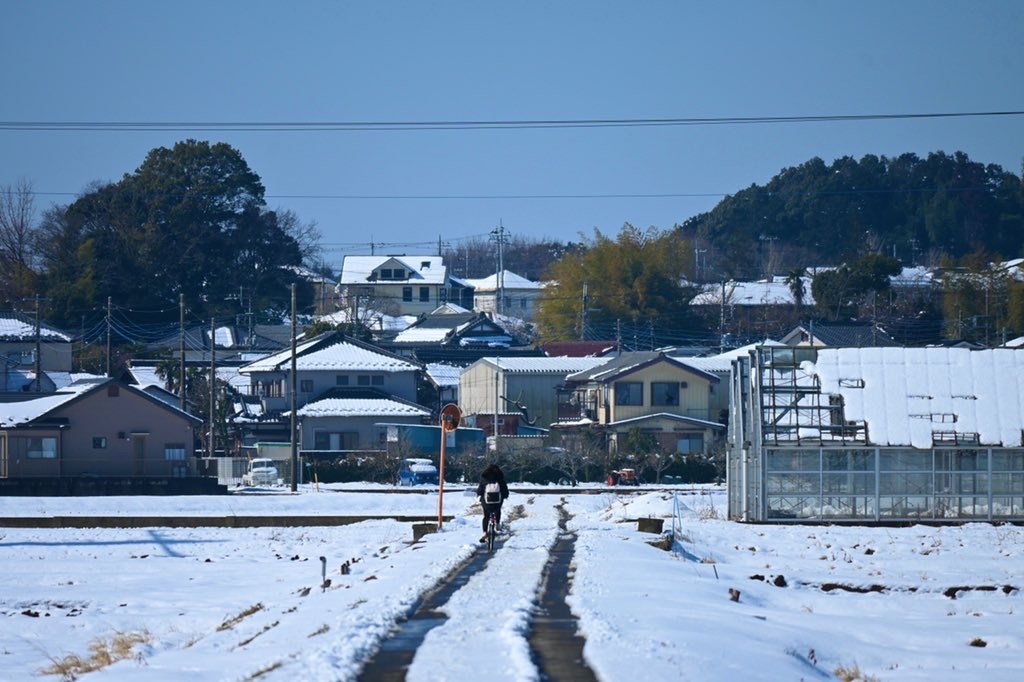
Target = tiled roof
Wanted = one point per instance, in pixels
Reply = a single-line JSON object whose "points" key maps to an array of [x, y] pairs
{"points": [[361, 407], [14, 329], [544, 365], [358, 269]]}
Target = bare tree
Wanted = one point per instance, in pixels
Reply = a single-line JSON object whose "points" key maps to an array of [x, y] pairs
{"points": [[307, 235], [17, 240]]}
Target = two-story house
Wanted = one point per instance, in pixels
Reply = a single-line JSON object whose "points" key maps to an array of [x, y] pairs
{"points": [[343, 387], [659, 394], [396, 285], [506, 293], [19, 345]]}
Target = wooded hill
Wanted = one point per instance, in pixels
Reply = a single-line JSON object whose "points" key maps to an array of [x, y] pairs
{"points": [[916, 210]]}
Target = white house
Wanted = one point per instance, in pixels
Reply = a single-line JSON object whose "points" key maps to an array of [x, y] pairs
{"points": [[395, 285], [518, 295]]}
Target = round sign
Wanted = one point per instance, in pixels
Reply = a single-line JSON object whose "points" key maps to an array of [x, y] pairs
{"points": [[450, 416]]}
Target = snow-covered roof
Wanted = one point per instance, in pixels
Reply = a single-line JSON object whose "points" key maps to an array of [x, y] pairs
{"points": [[21, 412], [422, 335], [908, 395], [341, 355], [360, 407], [444, 375], [14, 329], [373, 319], [722, 362], [671, 417], [423, 269], [542, 365], [511, 281], [763, 292], [351, 357]]}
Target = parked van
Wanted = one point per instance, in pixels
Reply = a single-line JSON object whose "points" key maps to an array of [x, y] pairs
{"points": [[261, 472], [416, 471]]}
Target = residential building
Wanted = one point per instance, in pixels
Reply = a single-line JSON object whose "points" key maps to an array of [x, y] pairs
{"points": [[839, 334], [394, 285], [337, 379], [658, 394], [506, 293], [97, 427], [19, 344], [526, 385], [876, 435]]}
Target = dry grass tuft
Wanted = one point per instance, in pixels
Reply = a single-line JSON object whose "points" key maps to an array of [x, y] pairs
{"points": [[708, 513], [102, 652], [852, 673], [235, 620]]}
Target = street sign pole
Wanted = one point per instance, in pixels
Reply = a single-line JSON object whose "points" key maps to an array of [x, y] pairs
{"points": [[450, 417]]}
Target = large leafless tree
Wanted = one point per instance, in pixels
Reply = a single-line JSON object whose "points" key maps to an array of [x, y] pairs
{"points": [[17, 241]]}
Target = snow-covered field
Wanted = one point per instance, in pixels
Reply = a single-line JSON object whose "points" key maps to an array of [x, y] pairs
{"points": [[234, 604]]}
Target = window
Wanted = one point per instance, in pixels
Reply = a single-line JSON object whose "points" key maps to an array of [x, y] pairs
{"points": [[406, 293], [306, 385], [174, 452], [629, 393], [385, 273], [389, 274], [377, 379], [99, 443], [341, 380], [664, 393], [364, 380], [424, 293], [690, 443], [444, 295], [522, 303], [41, 448], [327, 440]]}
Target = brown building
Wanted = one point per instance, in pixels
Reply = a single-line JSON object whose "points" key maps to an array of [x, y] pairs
{"points": [[96, 427]]}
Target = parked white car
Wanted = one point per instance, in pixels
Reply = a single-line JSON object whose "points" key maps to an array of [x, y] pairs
{"points": [[261, 471]]}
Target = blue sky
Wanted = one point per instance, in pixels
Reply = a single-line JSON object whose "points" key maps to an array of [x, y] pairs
{"points": [[190, 61]]}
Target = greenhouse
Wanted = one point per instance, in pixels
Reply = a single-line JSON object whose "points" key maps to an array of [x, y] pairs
{"points": [[876, 435]]}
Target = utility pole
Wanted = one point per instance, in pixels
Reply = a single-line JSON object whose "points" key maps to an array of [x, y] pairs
{"points": [[498, 234], [721, 321], [39, 366], [181, 351], [213, 379], [497, 399], [108, 336], [583, 311], [294, 402]]}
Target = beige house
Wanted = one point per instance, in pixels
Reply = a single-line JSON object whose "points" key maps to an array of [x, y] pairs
{"points": [[95, 427], [527, 385], [650, 391], [396, 285]]}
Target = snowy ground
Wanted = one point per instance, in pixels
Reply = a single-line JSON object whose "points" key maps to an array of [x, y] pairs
{"points": [[234, 604]]}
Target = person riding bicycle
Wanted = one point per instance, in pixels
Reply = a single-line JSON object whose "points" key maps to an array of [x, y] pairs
{"points": [[492, 491]]}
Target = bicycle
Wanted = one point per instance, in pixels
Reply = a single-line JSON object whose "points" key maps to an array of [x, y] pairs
{"points": [[492, 530]]}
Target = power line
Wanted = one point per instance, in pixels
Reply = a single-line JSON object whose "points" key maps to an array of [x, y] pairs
{"points": [[513, 124]]}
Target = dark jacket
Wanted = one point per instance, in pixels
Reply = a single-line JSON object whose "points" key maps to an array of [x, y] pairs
{"points": [[492, 474]]}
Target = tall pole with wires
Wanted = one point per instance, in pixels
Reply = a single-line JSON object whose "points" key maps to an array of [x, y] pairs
{"points": [[498, 234], [109, 300], [39, 349], [181, 351], [293, 389], [213, 379]]}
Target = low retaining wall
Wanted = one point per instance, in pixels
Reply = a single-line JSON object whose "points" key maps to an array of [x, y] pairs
{"points": [[84, 486], [197, 521]]}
